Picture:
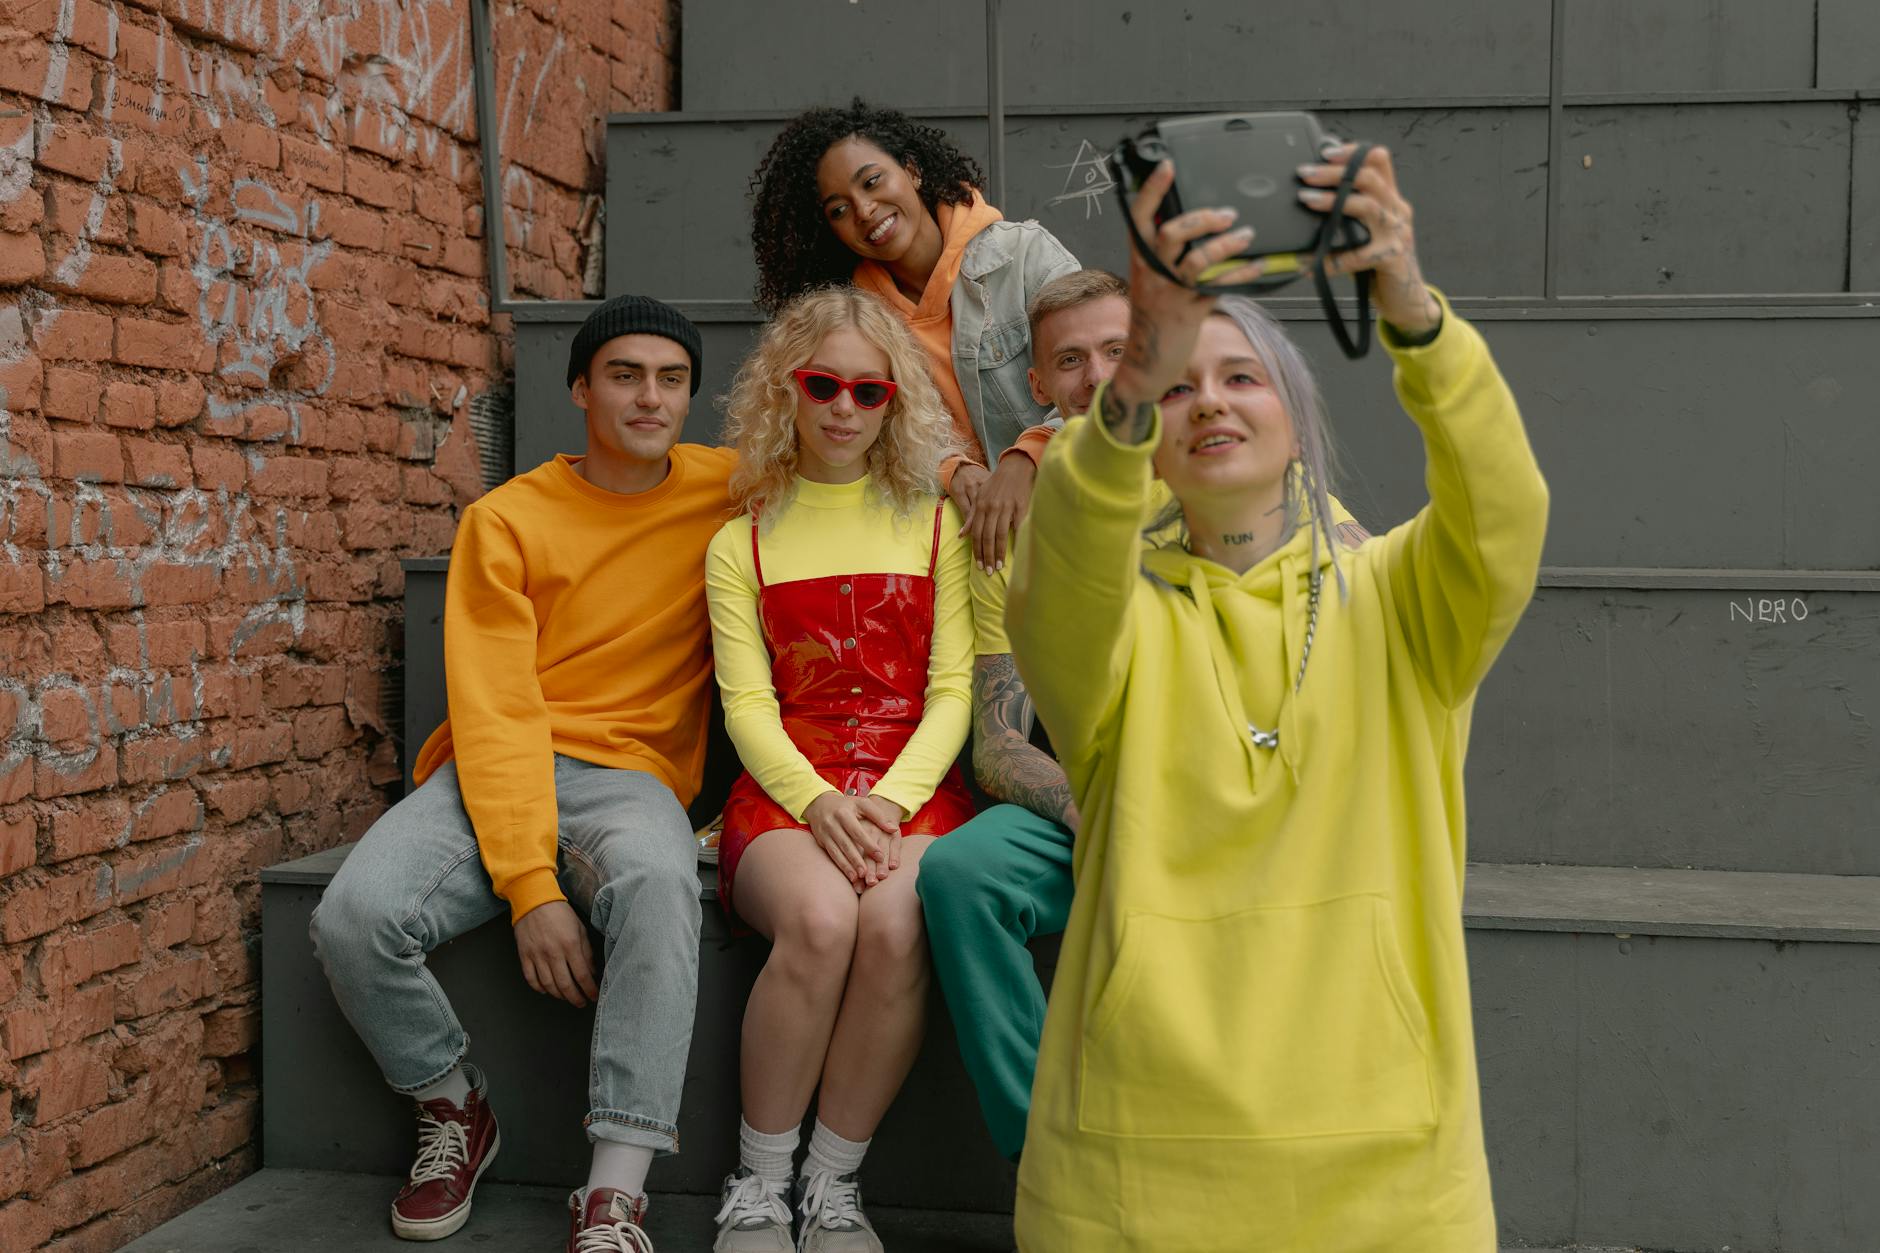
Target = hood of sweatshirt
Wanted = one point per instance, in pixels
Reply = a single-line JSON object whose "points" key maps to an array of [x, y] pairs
{"points": [[958, 223], [1284, 577]]}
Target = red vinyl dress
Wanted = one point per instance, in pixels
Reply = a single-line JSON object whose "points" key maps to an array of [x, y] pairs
{"points": [[849, 655]]}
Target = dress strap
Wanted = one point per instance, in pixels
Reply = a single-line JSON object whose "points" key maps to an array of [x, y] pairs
{"points": [[757, 562], [933, 559]]}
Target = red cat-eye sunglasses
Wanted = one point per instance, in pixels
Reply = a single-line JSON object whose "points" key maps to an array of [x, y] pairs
{"points": [[823, 387]]}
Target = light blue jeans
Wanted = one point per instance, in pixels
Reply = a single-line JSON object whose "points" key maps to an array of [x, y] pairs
{"points": [[628, 862]]}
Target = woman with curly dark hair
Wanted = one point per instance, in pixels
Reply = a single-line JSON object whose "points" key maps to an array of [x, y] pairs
{"points": [[871, 196]]}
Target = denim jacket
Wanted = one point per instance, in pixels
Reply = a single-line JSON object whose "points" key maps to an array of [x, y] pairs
{"points": [[1002, 269]]}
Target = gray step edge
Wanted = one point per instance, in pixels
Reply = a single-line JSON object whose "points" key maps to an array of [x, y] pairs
{"points": [[1621, 901]]}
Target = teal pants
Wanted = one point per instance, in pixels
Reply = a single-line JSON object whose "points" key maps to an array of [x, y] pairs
{"points": [[986, 889]]}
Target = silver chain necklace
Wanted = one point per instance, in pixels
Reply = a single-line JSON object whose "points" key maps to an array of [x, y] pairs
{"points": [[1270, 739]]}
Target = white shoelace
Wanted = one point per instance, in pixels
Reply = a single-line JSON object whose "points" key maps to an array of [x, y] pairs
{"points": [[443, 1148], [751, 1198], [832, 1201], [613, 1238]]}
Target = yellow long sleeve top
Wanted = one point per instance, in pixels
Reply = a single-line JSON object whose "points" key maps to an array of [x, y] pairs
{"points": [[574, 623], [1259, 1036], [829, 529]]}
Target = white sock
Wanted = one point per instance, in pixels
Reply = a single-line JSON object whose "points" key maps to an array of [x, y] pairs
{"points": [[453, 1087], [620, 1166], [771, 1158], [829, 1151]]}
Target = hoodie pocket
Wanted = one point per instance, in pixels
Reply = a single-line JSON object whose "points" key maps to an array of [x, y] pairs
{"points": [[1269, 1023]]}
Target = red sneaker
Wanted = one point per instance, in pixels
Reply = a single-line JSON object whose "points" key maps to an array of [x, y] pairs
{"points": [[455, 1147], [608, 1223]]}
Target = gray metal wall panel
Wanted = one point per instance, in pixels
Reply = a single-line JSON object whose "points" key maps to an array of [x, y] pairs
{"points": [[1524, 1057], [423, 656], [1678, 728], [1666, 442], [1107, 52], [1718, 459], [932, 1149], [1704, 198], [792, 54], [678, 207], [547, 421], [1679, 1093], [1670, 1029], [1849, 44], [1864, 246], [1689, 45], [1478, 177]]}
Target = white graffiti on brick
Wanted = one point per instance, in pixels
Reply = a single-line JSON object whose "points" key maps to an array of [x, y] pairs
{"points": [[519, 215], [254, 295], [16, 165], [420, 56], [191, 528], [71, 267]]}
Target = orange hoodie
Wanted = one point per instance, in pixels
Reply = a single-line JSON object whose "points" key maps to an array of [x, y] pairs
{"points": [[931, 318]]}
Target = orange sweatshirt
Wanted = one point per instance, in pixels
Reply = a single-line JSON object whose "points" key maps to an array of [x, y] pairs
{"points": [[575, 623], [931, 317]]}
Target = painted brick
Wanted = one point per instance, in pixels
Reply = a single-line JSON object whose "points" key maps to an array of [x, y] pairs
{"points": [[326, 294]]}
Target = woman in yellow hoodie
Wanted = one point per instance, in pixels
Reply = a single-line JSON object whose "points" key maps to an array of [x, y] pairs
{"points": [[870, 196], [1259, 1036]]}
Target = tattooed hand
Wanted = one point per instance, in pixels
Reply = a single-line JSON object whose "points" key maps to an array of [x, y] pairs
{"points": [[1165, 318], [1400, 295]]}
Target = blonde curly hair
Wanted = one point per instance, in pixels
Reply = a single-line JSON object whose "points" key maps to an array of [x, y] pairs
{"points": [[916, 431]]}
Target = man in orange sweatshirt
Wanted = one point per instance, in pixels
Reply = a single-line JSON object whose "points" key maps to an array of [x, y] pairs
{"points": [[576, 654]]}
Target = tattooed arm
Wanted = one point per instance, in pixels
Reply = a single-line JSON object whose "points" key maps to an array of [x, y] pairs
{"points": [[1129, 418], [1005, 762], [1165, 317]]}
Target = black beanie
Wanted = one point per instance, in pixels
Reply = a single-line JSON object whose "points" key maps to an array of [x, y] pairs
{"points": [[633, 315]]}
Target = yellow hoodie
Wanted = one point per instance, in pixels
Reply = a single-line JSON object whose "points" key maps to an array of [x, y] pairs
{"points": [[1259, 1037]]}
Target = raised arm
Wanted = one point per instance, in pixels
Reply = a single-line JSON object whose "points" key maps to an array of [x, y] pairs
{"points": [[1075, 572], [1078, 551], [1463, 569]]}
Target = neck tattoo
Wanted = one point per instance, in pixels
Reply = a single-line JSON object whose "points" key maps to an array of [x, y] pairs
{"points": [[1238, 537]]}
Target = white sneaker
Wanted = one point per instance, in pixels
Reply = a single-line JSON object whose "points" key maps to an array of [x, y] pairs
{"points": [[833, 1221], [754, 1216]]}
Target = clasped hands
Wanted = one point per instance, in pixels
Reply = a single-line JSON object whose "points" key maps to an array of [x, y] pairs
{"points": [[861, 835]]}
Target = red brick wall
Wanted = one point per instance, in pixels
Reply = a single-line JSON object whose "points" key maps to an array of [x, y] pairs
{"points": [[243, 309]]}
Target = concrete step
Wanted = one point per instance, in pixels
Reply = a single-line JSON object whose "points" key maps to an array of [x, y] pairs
{"points": [[325, 1106], [1682, 1060], [313, 1211], [1586, 749], [316, 1211]]}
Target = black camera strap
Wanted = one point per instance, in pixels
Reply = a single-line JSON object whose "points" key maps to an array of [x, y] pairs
{"points": [[1329, 232], [1334, 224]]}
